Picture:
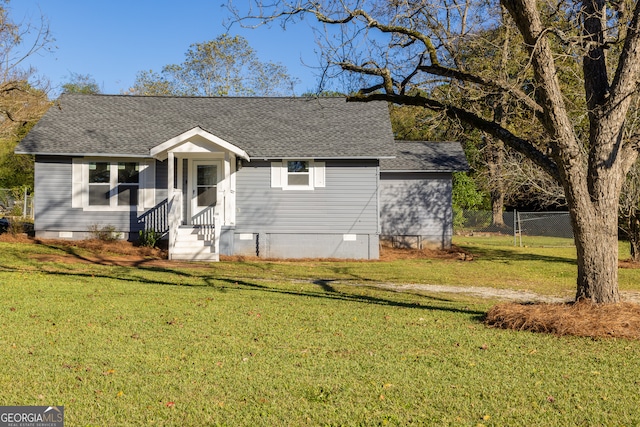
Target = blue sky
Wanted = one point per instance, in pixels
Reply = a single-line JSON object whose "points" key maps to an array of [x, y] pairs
{"points": [[113, 40]]}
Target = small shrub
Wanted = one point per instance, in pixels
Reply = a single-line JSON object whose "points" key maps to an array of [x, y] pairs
{"points": [[149, 238], [15, 227], [105, 234]]}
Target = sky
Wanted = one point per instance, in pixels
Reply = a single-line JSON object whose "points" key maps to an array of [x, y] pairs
{"points": [[113, 40]]}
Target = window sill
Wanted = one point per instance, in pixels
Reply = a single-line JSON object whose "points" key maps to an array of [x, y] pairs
{"points": [[112, 208], [298, 188]]}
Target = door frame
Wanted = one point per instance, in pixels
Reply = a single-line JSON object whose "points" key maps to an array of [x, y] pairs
{"points": [[192, 177]]}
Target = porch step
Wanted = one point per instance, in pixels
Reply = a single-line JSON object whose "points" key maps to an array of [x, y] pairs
{"points": [[196, 257], [191, 246]]}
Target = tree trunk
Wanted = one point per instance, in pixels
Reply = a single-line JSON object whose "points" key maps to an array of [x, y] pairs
{"points": [[495, 157], [596, 238], [497, 208], [598, 268]]}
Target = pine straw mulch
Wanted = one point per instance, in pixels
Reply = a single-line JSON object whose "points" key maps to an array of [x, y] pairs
{"points": [[114, 253], [583, 318]]}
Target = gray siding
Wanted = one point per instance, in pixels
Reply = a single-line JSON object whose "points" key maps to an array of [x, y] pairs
{"points": [[301, 245], [347, 204], [53, 211], [416, 205], [339, 220]]}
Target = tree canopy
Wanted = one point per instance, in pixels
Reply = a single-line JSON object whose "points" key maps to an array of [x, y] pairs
{"points": [[23, 97], [81, 83], [225, 66]]}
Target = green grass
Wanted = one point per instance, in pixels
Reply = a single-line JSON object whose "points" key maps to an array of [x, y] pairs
{"points": [[251, 343]]}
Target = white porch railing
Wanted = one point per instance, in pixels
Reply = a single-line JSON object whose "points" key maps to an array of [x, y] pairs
{"points": [[208, 227], [205, 223], [175, 218]]}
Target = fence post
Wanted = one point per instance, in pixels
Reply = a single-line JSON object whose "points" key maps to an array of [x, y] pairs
{"points": [[24, 204], [515, 230], [520, 228]]}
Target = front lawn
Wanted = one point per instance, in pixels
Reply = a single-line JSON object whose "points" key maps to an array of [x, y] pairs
{"points": [[270, 343]]}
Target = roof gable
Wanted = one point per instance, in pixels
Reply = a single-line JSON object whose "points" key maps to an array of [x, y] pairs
{"points": [[196, 137], [260, 127]]}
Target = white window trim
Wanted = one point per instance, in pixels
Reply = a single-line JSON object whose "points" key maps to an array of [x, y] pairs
{"points": [[280, 175], [80, 184]]}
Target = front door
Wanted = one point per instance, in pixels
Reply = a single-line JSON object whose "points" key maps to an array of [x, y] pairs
{"points": [[205, 176]]}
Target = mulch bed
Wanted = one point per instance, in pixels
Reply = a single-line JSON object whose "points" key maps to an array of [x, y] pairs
{"points": [[583, 318]]}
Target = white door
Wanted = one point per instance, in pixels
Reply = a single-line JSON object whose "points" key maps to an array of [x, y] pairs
{"points": [[205, 177]]}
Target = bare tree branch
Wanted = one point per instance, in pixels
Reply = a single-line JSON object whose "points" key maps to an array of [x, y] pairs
{"points": [[523, 146]]}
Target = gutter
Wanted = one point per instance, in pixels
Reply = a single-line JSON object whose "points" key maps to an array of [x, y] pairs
{"points": [[141, 156]]}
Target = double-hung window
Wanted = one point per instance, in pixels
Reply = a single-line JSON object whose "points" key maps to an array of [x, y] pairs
{"points": [[113, 185], [297, 174], [128, 183], [99, 183]]}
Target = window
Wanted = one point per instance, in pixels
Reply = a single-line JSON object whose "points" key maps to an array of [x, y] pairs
{"points": [[99, 183], [207, 185], [112, 185], [297, 174], [128, 182]]}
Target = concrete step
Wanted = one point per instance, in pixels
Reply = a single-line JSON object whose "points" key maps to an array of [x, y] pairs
{"points": [[195, 244], [193, 250], [196, 257], [190, 245], [187, 231]]}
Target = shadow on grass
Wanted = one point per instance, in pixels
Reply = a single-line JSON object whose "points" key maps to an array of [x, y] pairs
{"points": [[325, 288], [327, 291], [495, 254], [191, 276]]}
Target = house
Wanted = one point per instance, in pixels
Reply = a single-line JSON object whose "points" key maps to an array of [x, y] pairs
{"points": [[268, 177], [415, 193]]}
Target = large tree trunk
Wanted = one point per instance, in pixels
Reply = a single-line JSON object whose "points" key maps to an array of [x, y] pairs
{"points": [[495, 160], [596, 239], [593, 196], [497, 208]]}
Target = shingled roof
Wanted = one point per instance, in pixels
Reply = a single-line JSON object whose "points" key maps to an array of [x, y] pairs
{"points": [[119, 125], [423, 156]]}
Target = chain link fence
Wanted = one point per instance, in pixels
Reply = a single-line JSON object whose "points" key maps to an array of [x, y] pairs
{"points": [[526, 228], [16, 203]]}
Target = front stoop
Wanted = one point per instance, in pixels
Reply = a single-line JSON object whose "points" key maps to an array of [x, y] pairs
{"points": [[191, 246]]}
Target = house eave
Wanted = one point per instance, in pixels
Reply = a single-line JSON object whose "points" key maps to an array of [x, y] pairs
{"points": [[322, 157], [421, 170], [76, 154]]}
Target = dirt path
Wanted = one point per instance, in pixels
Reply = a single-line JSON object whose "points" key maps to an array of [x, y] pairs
{"points": [[478, 292], [493, 293]]}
